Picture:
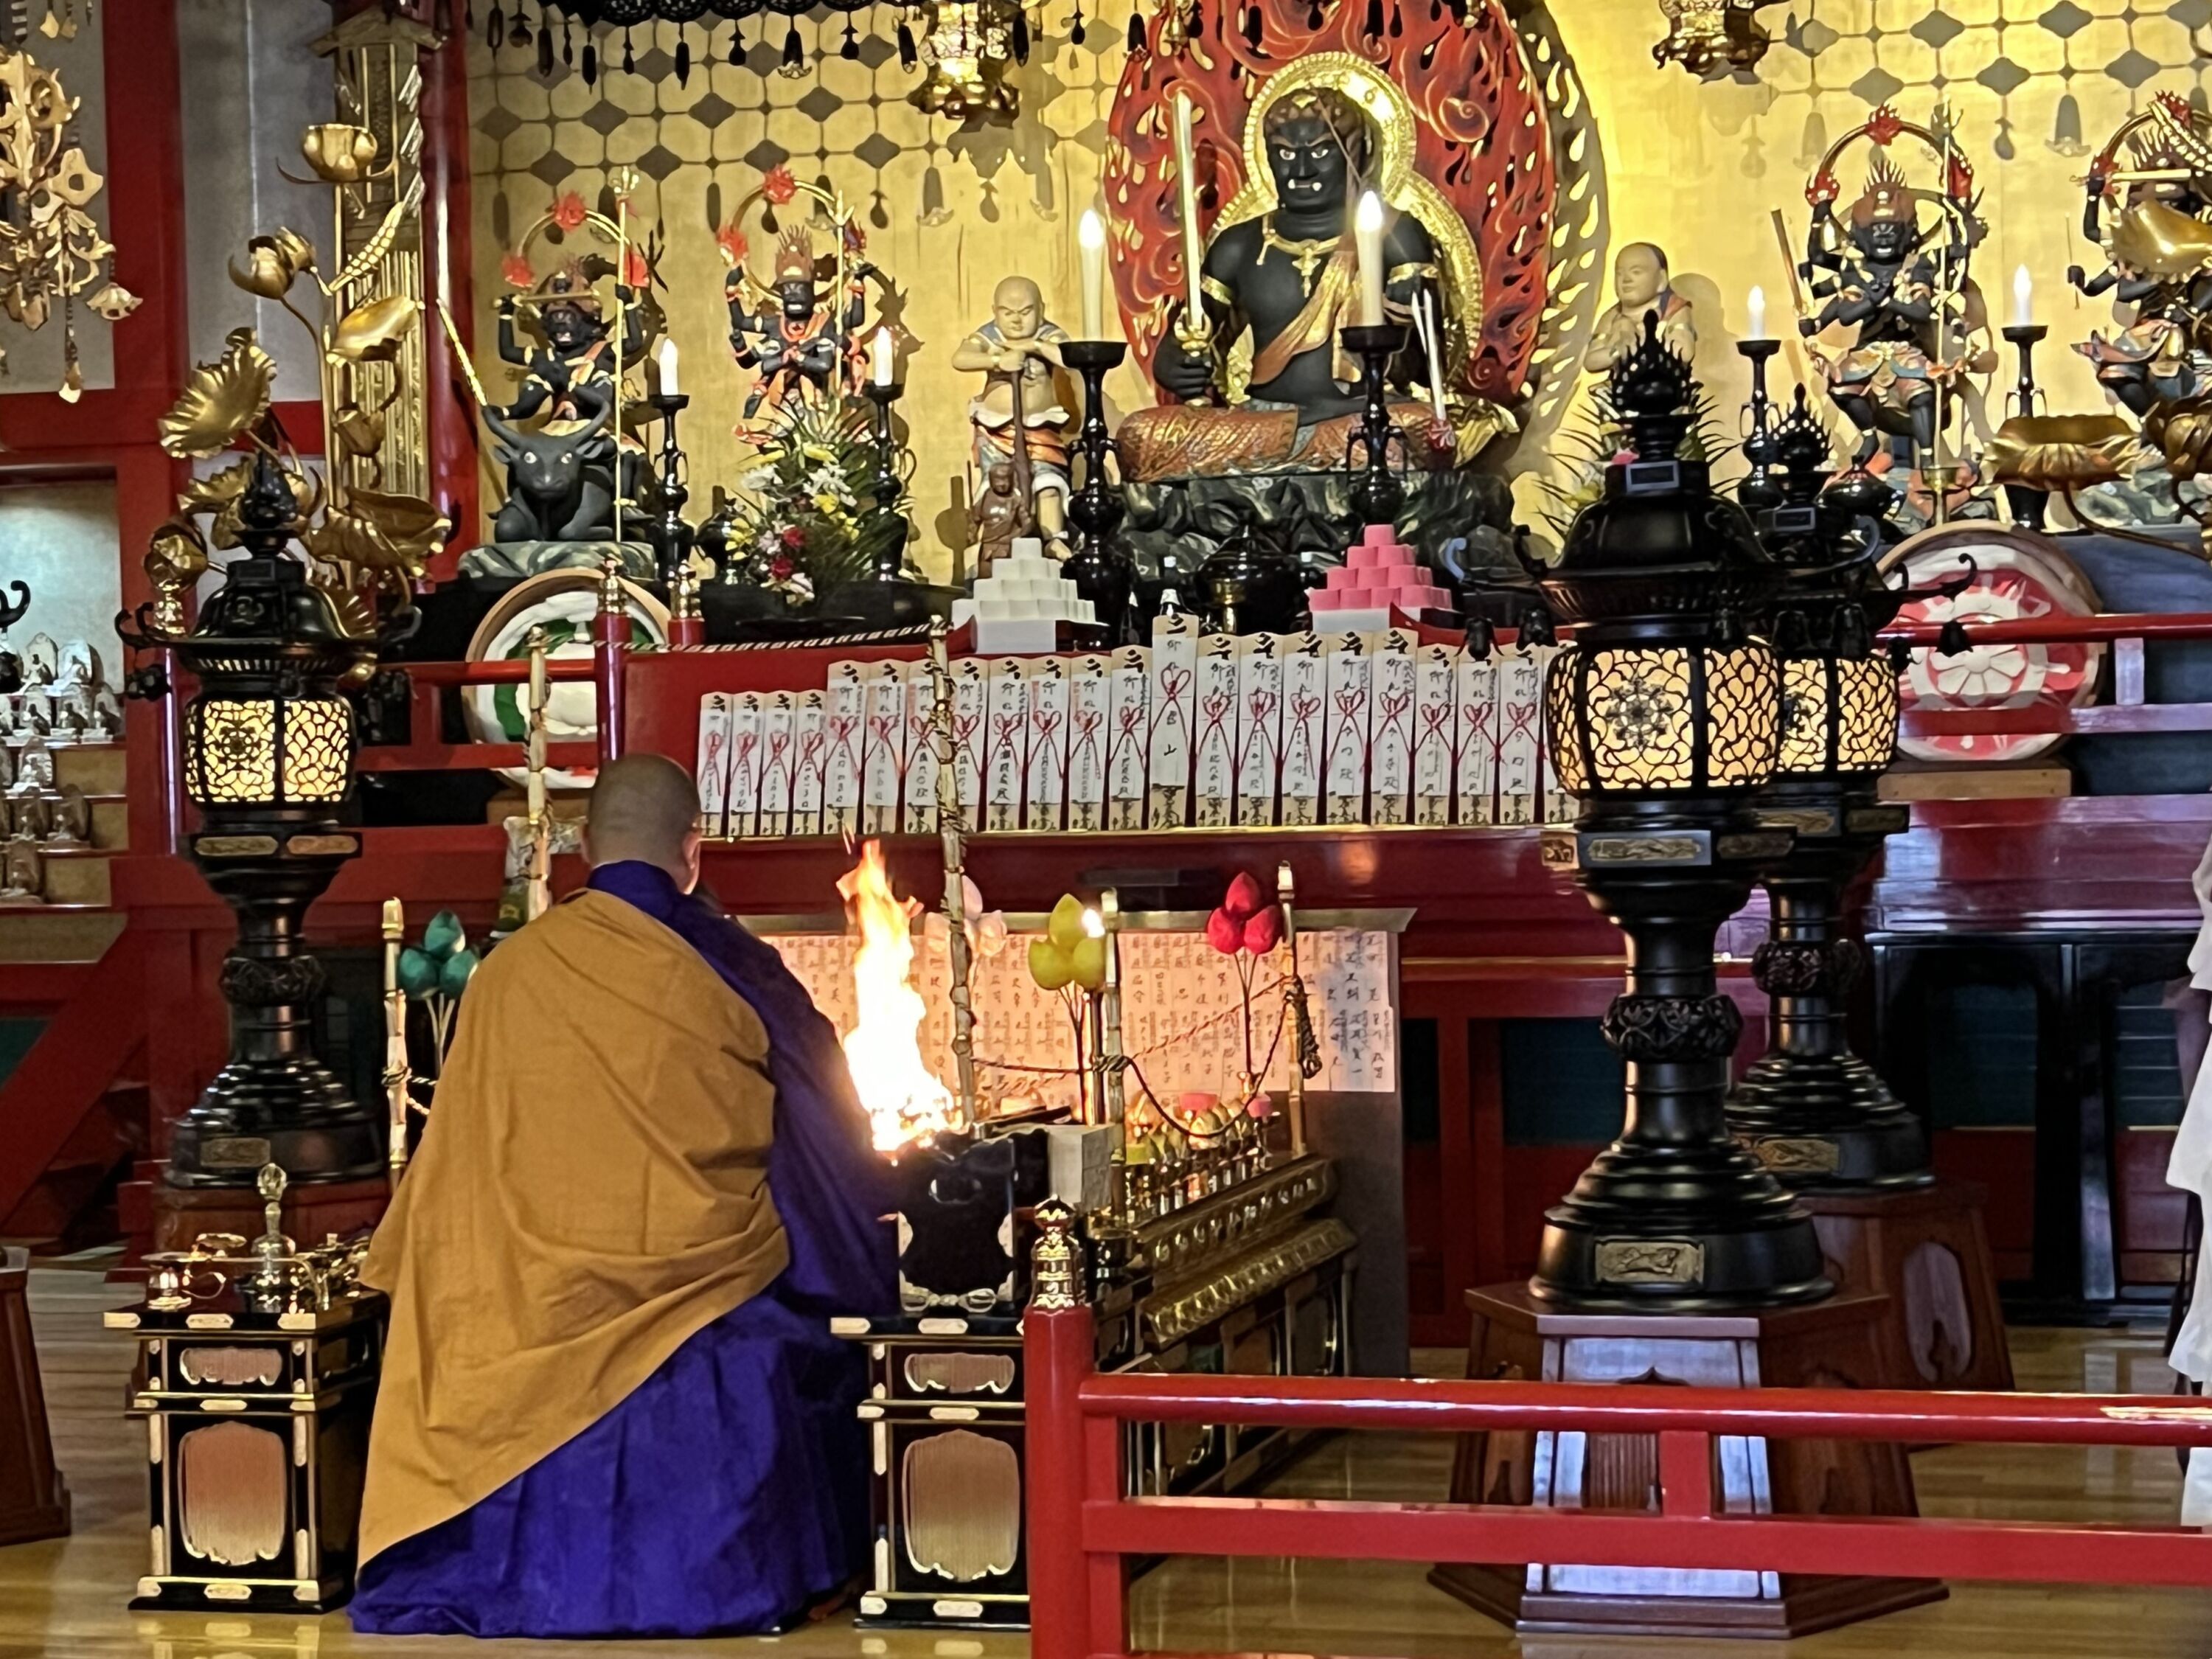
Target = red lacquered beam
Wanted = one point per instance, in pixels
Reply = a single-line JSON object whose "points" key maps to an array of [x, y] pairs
{"points": [[497, 672], [2100, 720], [2056, 630], [1880, 1547], [469, 757], [1449, 1407]]}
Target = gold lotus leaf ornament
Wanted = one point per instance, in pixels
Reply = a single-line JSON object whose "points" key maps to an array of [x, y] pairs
{"points": [[374, 331], [274, 263], [222, 400], [375, 531], [114, 302], [176, 553], [359, 431], [340, 154], [2061, 451], [2159, 240]]}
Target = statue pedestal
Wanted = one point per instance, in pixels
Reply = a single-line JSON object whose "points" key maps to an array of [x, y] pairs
{"points": [[1925, 1251], [1837, 1343]]}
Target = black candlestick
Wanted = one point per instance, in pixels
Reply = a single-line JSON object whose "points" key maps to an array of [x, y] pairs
{"points": [[2028, 506], [671, 536], [1758, 491], [888, 485], [1102, 572], [1377, 493]]}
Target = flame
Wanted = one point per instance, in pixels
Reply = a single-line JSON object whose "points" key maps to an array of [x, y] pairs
{"points": [[904, 1101]]}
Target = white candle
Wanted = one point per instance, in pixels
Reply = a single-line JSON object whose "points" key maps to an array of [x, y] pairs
{"points": [[668, 368], [1758, 309], [1091, 240], [1194, 254], [881, 357], [1367, 228], [2023, 298], [1432, 338]]}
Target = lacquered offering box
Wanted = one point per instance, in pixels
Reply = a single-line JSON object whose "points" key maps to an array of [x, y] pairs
{"points": [[256, 1440]]}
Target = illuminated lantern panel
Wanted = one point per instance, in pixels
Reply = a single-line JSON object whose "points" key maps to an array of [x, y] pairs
{"points": [[1838, 715], [260, 751], [1659, 720]]}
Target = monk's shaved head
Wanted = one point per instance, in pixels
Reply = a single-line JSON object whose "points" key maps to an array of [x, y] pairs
{"points": [[645, 808]]}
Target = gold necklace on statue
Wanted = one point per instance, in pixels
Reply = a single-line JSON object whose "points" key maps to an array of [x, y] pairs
{"points": [[1307, 255]]}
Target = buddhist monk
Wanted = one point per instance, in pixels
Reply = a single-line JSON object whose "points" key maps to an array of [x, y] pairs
{"points": [[610, 1403]]}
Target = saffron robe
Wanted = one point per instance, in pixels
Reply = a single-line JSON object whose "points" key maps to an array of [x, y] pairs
{"points": [[706, 1471]]}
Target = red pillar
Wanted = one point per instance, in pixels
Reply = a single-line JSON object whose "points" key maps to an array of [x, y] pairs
{"points": [[1058, 1346], [446, 255]]}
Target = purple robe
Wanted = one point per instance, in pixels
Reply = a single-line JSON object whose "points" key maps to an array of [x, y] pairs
{"points": [[729, 1492]]}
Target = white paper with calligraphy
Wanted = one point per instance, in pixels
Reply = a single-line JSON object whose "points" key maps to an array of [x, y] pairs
{"points": [[1520, 711], [971, 693], [884, 758], [744, 764], [1128, 724], [1089, 696], [1005, 745], [1179, 998], [1047, 741], [1344, 769], [1213, 766], [1476, 743], [1305, 706], [1391, 728], [1175, 682], [778, 735], [921, 781], [1436, 726], [811, 739], [714, 768], [1259, 725], [845, 720]]}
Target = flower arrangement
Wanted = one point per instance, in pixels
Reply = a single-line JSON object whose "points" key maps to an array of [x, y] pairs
{"points": [[808, 521], [1246, 928]]}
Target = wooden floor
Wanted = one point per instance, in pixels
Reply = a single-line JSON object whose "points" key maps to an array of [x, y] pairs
{"points": [[67, 1598]]}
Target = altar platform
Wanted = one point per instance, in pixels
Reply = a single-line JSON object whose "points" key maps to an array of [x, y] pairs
{"points": [[59, 1598]]}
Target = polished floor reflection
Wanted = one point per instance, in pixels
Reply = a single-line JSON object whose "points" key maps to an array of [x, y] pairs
{"points": [[67, 1597]]}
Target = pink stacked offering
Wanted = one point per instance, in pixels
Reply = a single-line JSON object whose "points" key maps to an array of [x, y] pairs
{"points": [[1378, 575]]}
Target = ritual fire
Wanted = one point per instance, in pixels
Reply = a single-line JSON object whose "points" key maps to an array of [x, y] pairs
{"points": [[904, 1100]]}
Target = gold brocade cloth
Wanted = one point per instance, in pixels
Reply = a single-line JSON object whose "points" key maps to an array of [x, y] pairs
{"points": [[592, 1190]]}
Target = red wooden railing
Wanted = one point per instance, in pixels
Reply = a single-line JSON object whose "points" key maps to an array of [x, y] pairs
{"points": [[1082, 1529]]}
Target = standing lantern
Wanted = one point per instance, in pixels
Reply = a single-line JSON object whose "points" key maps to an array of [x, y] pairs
{"points": [[268, 763], [1813, 1112], [1665, 719]]}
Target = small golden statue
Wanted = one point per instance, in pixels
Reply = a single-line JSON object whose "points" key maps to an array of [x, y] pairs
{"points": [[1019, 419], [1642, 287]]}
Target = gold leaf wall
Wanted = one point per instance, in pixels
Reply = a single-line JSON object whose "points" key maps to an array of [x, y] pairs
{"points": [[2034, 85]]}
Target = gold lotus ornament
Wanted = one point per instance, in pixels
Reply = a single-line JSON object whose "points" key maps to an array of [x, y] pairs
{"points": [[375, 531], [340, 154], [222, 400], [274, 263], [374, 333], [174, 559], [2059, 452], [114, 302], [359, 431]]}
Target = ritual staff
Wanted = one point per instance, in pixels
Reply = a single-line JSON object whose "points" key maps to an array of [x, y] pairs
{"points": [[610, 1403]]}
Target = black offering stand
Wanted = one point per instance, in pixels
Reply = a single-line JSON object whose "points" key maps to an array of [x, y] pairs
{"points": [[1812, 1111], [1100, 568], [1665, 719], [269, 748]]}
